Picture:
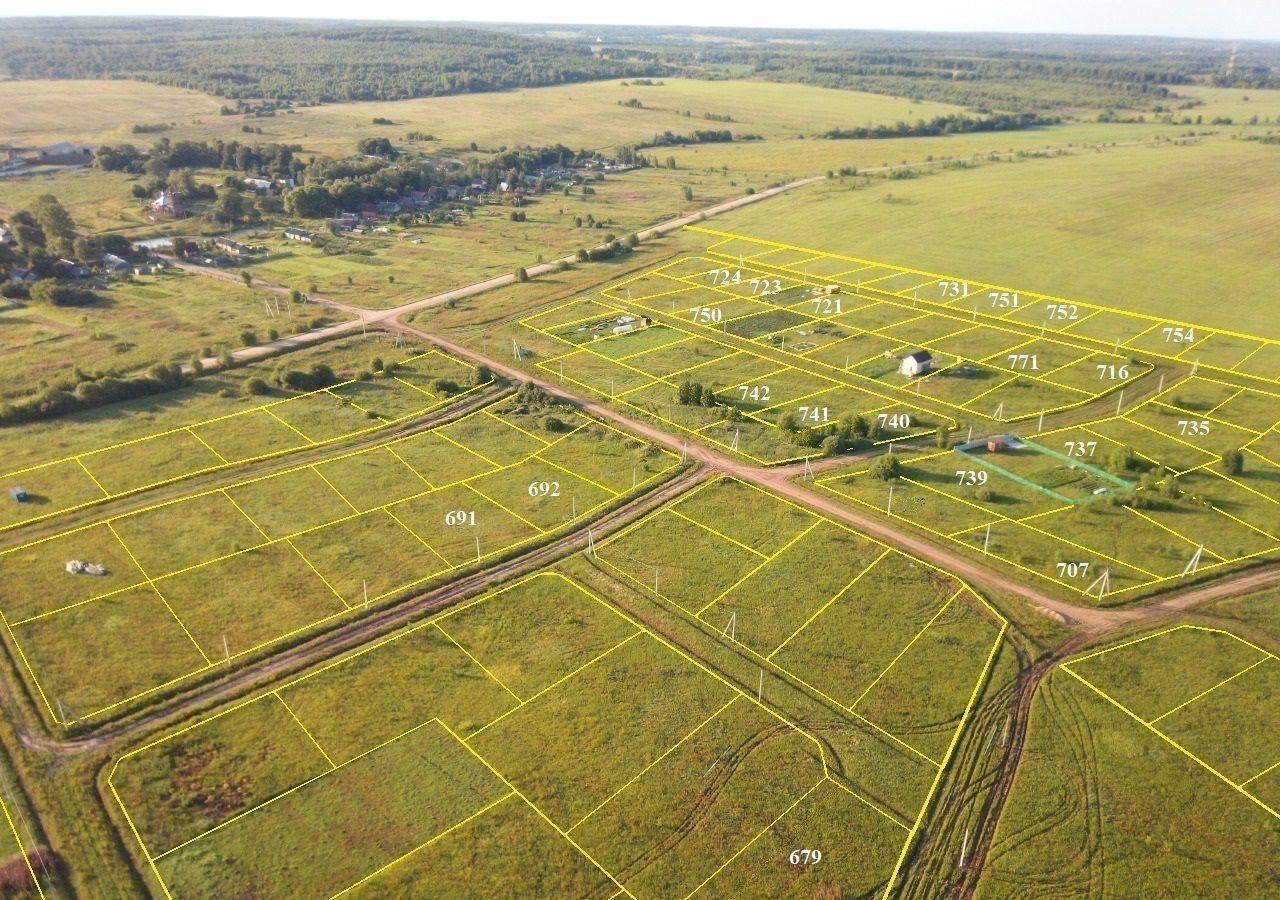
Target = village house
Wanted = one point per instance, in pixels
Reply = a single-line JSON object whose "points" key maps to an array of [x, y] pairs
{"points": [[235, 248], [344, 222], [114, 264], [11, 159], [915, 364], [66, 268], [258, 185]]}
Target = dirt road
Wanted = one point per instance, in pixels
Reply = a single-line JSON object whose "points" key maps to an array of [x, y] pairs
{"points": [[363, 318], [1085, 619]]}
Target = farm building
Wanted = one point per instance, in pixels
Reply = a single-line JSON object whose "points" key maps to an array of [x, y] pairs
{"points": [[626, 323], [65, 153], [917, 363], [300, 235]]}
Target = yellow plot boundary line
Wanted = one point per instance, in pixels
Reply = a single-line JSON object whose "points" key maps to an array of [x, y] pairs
{"points": [[945, 312], [946, 604], [640, 630], [872, 389], [1037, 297], [827, 483], [427, 843], [209, 663], [26, 857], [766, 661], [343, 660], [267, 408], [1266, 655]]}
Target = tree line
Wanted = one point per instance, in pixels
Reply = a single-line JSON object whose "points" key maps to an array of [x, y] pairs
{"points": [[301, 63], [949, 124]]}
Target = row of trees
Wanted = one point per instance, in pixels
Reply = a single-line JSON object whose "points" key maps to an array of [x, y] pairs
{"points": [[949, 124], [84, 391]]}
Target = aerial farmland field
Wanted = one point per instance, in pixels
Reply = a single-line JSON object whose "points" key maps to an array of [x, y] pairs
{"points": [[661, 462]]}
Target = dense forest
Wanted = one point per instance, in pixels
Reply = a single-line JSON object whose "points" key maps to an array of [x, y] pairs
{"points": [[273, 62], [301, 63]]}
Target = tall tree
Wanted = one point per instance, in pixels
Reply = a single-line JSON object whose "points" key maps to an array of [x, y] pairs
{"points": [[56, 223]]}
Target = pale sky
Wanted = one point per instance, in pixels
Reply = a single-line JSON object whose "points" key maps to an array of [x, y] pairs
{"points": [[1232, 19]]}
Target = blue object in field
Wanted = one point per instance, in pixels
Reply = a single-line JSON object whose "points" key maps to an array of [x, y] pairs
{"points": [[18, 494]]}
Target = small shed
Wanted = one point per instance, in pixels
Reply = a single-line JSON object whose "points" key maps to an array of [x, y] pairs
{"points": [[916, 364], [997, 444], [19, 495]]}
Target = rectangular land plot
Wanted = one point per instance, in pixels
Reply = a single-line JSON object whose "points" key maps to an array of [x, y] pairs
{"points": [[642, 340], [37, 583], [384, 399], [250, 599], [1154, 446], [371, 551], [380, 691], [1236, 726], [609, 458], [50, 489], [671, 827], [890, 605], [574, 746], [492, 438], [537, 631], [523, 857], [596, 373], [542, 494], [461, 525], [175, 536], [859, 846], [322, 416], [1154, 674], [574, 311], [92, 657], [149, 461], [679, 559], [746, 514], [257, 746], [915, 500], [923, 696], [684, 356], [248, 435], [371, 478], [437, 460], [291, 502], [371, 811], [781, 595]]}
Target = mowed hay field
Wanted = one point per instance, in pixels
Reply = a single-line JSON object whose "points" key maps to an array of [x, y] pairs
{"points": [[582, 115], [94, 112], [1178, 231], [578, 115]]}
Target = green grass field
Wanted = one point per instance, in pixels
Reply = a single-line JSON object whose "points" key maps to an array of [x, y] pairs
{"points": [[1099, 795], [1135, 214], [577, 745], [146, 320], [205, 580]]}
